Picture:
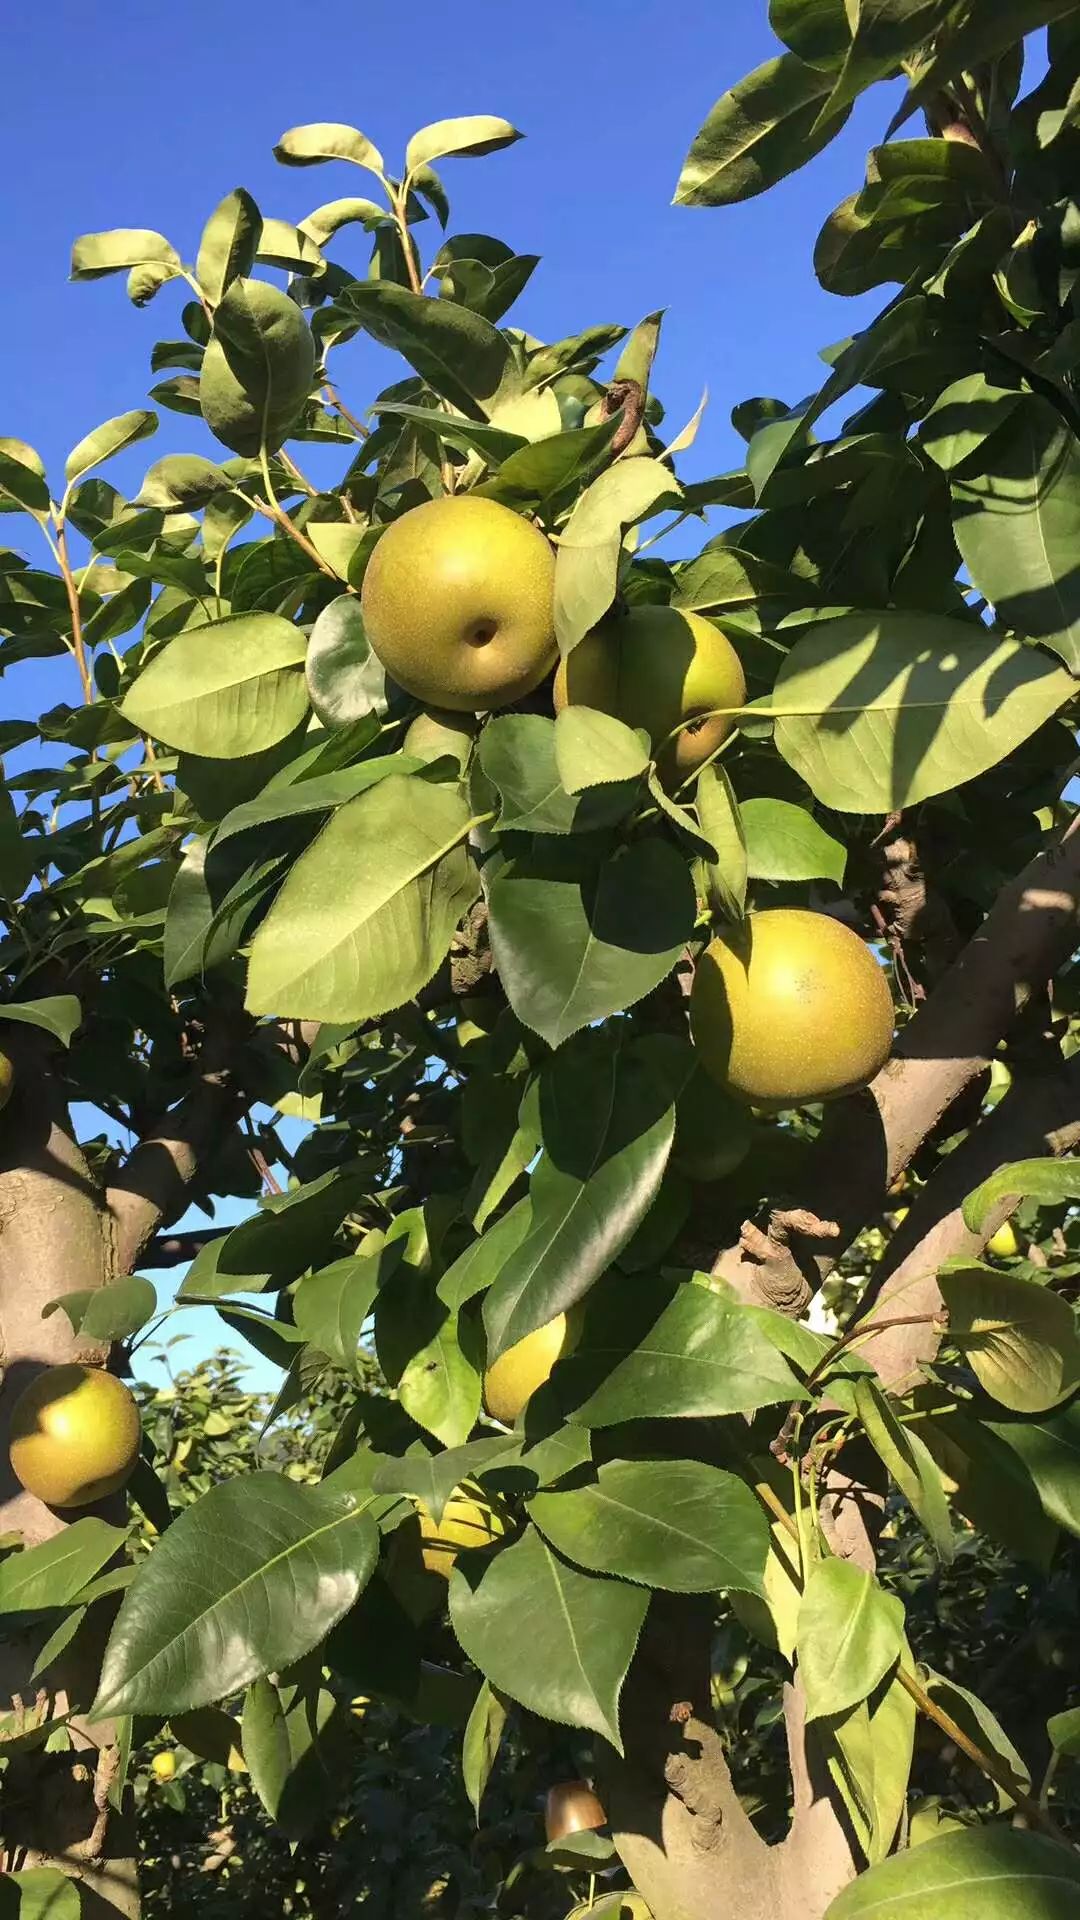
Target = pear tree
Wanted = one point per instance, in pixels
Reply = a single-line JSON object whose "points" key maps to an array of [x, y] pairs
{"points": [[633, 884]]}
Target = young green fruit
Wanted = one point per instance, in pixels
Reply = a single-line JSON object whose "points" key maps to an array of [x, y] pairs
{"points": [[459, 603], [464, 1523], [572, 1807], [792, 1007], [513, 1378], [75, 1434], [656, 668]]}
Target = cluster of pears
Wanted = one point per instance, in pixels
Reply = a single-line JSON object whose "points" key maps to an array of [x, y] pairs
{"points": [[75, 1435], [459, 605]]}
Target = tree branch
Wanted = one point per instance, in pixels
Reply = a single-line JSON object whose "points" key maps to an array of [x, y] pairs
{"points": [[868, 1139]]}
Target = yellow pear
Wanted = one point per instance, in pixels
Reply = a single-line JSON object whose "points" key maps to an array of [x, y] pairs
{"points": [[572, 1807], [465, 1523], [656, 668], [163, 1766], [1004, 1243], [75, 1434], [790, 1007], [459, 603], [513, 1378]]}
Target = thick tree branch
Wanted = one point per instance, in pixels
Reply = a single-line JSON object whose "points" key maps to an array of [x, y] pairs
{"points": [[868, 1139]]}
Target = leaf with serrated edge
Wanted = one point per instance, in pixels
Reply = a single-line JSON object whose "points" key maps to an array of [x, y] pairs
{"points": [[674, 1524]]}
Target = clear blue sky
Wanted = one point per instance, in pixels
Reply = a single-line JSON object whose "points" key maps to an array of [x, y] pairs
{"points": [[127, 114]]}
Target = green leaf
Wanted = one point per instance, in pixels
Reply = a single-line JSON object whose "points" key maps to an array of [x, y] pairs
{"points": [[330, 1307], [1063, 1730], [229, 244], [850, 1633], [727, 577], [757, 133], [59, 1014], [1050, 1182], [367, 914], [784, 842], [296, 1740], [965, 416], [981, 1726], [878, 710], [440, 1387], [594, 749], [817, 31], [22, 478], [346, 680], [182, 481], [41, 1893], [587, 562], [475, 133], [481, 1264], [112, 1312], [578, 937], [471, 436], [1049, 1449], [258, 369], [433, 1477], [554, 1639], [553, 465], [52, 1574], [245, 1581], [874, 1745], [985, 31], [112, 437], [606, 1122], [674, 1524], [322, 224], [327, 140], [480, 1747], [518, 754], [993, 1871], [884, 32], [910, 1463], [701, 1357], [1018, 1337], [460, 355], [320, 793], [722, 824], [292, 1230], [225, 689], [1017, 523], [120, 249]]}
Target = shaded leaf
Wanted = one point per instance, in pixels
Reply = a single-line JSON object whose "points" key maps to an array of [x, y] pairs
{"points": [[1050, 1182], [59, 1014], [673, 1524], [480, 1748], [849, 1634], [52, 1574], [227, 688], [1000, 1873], [757, 133], [1018, 1337], [784, 842]]}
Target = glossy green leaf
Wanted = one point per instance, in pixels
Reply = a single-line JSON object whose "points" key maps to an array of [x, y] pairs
{"points": [[475, 133], [481, 1263], [1051, 1182], [367, 914], [327, 140], [577, 938], [296, 1739], [458, 353], [849, 1634], [112, 1312], [229, 243], [910, 1463], [346, 680], [876, 711], [993, 1871], [587, 561], [722, 824], [884, 34], [433, 1477], [700, 1357], [594, 749], [1018, 1337], [258, 369], [817, 31], [480, 1747], [757, 133], [518, 754], [229, 688], [244, 1582], [557, 1640], [673, 1524], [440, 1386], [112, 437], [59, 1014], [784, 842], [52, 1574], [330, 1307], [22, 478], [1017, 523], [964, 416], [606, 1122]]}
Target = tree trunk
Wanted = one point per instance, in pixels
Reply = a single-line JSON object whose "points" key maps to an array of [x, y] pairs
{"points": [[55, 1238]]}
